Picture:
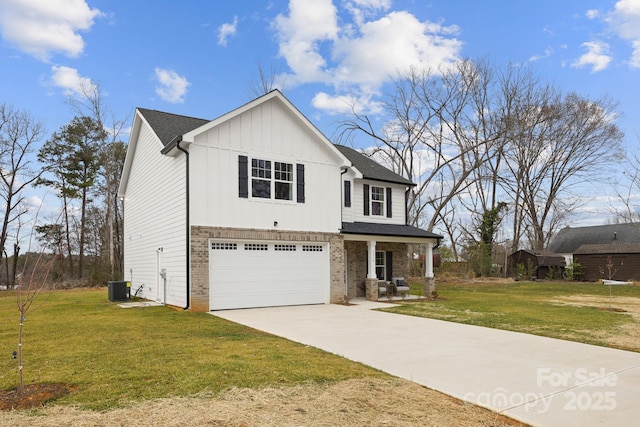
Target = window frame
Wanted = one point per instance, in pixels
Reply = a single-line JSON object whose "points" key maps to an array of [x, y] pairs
{"points": [[283, 179], [271, 179], [378, 200], [382, 266]]}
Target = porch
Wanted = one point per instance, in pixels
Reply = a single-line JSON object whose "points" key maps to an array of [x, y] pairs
{"points": [[377, 256]]}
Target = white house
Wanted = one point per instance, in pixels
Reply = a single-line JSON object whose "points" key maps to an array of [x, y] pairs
{"points": [[258, 208]]}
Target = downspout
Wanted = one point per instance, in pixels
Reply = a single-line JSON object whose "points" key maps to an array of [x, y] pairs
{"points": [[406, 202], [346, 284], [344, 170], [188, 228]]}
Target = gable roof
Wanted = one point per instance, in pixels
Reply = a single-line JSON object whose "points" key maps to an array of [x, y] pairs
{"points": [[370, 169], [169, 127], [568, 240]]}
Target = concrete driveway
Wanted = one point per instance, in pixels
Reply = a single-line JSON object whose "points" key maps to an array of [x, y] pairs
{"points": [[539, 381]]}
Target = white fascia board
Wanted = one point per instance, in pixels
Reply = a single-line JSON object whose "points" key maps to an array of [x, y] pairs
{"points": [[131, 149]]}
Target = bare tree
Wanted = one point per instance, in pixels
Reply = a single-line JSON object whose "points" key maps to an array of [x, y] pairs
{"points": [[439, 133], [265, 82], [555, 141], [19, 133], [626, 202]]}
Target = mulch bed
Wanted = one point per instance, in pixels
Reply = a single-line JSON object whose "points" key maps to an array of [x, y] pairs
{"points": [[35, 395]]}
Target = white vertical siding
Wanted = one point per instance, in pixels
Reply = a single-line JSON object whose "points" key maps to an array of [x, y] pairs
{"points": [[155, 217], [271, 132]]}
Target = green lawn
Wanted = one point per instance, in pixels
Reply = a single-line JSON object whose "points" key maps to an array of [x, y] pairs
{"points": [[539, 308], [115, 356]]}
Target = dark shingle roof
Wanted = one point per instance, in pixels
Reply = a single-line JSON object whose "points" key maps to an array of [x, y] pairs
{"points": [[568, 240], [170, 126], [616, 248], [386, 230], [544, 258], [370, 168]]}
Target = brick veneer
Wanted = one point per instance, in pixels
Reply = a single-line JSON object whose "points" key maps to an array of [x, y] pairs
{"points": [[200, 236], [357, 264]]}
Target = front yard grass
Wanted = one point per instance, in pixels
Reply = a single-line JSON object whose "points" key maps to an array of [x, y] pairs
{"points": [[117, 356], [566, 310]]}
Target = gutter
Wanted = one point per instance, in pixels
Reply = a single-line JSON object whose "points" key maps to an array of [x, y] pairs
{"points": [[188, 222]]}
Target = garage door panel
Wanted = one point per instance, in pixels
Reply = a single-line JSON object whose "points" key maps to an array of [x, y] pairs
{"points": [[261, 274]]}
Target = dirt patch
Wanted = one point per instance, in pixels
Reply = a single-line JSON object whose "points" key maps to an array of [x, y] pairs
{"points": [[628, 335], [33, 396], [370, 402]]}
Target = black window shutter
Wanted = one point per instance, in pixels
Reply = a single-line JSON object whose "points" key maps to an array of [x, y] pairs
{"points": [[347, 194], [300, 183], [389, 265], [365, 190], [389, 202], [243, 177]]}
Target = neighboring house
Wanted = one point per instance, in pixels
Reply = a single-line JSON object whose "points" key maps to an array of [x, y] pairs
{"points": [[604, 252], [613, 262], [538, 265], [258, 208]]}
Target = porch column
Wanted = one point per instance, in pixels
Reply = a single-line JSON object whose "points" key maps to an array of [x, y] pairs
{"points": [[371, 259], [429, 279], [371, 283], [428, 261]]}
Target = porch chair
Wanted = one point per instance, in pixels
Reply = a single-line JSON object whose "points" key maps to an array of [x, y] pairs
{"points": [[402, 287], [382, 289]]}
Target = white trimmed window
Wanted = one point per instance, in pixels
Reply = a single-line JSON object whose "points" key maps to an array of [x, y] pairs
{"points": [[283, 180], [377, 201]]}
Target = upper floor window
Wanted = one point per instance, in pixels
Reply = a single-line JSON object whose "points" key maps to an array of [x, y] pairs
{"points": [[283, 180], [270, 179], [261, 182], [377, 200]]}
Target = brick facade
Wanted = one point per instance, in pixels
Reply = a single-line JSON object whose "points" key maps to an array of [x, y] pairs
{"points": [[200, 236], [356, 253]]}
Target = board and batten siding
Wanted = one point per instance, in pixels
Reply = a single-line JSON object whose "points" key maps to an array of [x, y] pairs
{"points": [[154, 213], [272, 132], [355, 213]]}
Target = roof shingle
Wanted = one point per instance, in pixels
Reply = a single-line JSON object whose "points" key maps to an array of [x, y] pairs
{"points": [[370, 168]]}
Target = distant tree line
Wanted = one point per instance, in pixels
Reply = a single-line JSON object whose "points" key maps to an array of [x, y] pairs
{"points": [[81, 162]]}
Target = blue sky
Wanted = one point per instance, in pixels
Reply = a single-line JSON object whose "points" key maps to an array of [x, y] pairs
{"points": [[198, 58]]}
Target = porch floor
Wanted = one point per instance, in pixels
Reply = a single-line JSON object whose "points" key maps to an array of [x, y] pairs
{"points": [[395, 298]]}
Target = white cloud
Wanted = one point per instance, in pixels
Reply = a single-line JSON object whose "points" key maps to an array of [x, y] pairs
{"points": [[547, 53], [357, 57], [597, 56], [300, 33], [225, 30], [171, 86], [592, 13], [396, 42], [625, 20], [73, 83], [43, 27], [346, 104]]}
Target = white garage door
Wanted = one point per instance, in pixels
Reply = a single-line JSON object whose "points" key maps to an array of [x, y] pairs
{"points": [[244, 274]]}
